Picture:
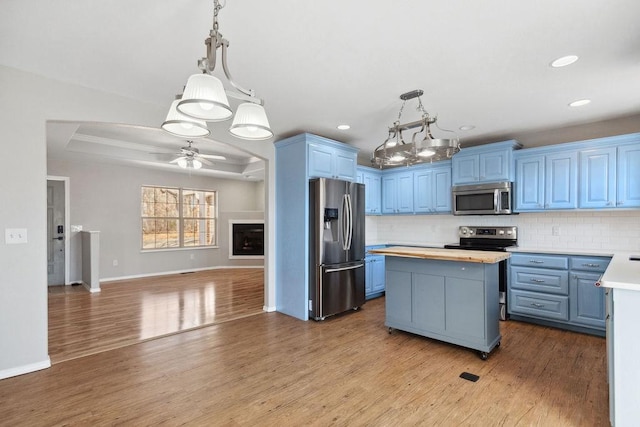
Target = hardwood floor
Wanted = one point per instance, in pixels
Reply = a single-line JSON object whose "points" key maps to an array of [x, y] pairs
{"points": [[271, 369], [130, 311]]}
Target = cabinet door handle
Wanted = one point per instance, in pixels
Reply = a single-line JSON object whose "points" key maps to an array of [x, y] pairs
{"points": [[590, 264], [537, 281], [535, 261], [620, 203], [537, 305], [609, 203]]}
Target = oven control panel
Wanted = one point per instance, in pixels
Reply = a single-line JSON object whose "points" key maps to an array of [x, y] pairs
{"points": [[488, 232]]}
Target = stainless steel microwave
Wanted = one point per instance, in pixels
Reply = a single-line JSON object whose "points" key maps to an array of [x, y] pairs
{"points": [[482, 199]]}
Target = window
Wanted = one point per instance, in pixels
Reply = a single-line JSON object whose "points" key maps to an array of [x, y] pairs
{"points": [[178, 218]]}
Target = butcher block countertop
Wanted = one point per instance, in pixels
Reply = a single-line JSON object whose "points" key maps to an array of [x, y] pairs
{"points": [[485, 257]]}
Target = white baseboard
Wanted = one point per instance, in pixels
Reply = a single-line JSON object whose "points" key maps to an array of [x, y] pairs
{"points": [[166, 273], [90, 289], [268, 309], [25, 369]]}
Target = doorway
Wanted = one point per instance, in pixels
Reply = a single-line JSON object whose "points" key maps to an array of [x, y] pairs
{"points": [[57, 231]]}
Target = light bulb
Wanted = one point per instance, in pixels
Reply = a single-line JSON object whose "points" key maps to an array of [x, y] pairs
{"points": [[251, 129], [426, 153], [397, 157]]}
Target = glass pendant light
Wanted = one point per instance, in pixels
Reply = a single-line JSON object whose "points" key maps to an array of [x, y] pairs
{"points": [[250, 122], [204, 98], [178, 124]]}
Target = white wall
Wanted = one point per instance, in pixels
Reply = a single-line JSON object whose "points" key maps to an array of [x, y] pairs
{"points": [[106, 198], [27, 102], [616, 230]]}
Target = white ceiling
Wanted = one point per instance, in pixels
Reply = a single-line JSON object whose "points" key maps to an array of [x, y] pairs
{"points": [[318, 64]]}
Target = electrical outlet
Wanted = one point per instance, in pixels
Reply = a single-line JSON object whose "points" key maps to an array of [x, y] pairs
{"points": [[115, 262], [555, 230]]}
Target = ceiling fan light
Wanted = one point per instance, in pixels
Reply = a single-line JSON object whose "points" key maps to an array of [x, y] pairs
{"points": [[204, 98], [196, 164], [182, 162], [250, 122], [181, 125]]}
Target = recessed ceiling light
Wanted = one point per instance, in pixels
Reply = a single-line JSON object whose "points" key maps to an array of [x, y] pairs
{"points": [[344, 127], [579, 103], [564, 61], [467, 127]]}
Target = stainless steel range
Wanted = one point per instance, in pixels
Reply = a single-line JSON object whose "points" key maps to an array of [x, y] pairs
{"points": [[490, 239]]}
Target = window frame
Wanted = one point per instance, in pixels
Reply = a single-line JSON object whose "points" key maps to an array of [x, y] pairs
{"points": [[181, 218]]}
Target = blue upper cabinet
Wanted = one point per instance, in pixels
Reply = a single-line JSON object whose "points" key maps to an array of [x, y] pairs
{"points": [[529, 184], [629, 176], [546, 181], [610, 177], [485, 163], [372, 180], [397, 192], [432, 188], [326, 160], [598, 178]]}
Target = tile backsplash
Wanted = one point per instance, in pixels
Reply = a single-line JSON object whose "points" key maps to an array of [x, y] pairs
{"points": [[608, 230]]}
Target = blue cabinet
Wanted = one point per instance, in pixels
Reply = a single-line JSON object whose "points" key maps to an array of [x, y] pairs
{"points": [[486, 163], [628, 176], [297, 159], [397, 192], [598, 178], [546, 181], [329, 161], [374, 274], [557, 290], [372, 180], [432, 188], [610, 177]]}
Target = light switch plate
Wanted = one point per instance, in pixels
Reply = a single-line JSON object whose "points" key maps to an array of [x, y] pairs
{"points": [[15, 235]]}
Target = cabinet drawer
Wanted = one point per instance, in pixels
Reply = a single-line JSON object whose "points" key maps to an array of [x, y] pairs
{"points": [[554, 307], [544, 261], [596, 264], [540, 280]]}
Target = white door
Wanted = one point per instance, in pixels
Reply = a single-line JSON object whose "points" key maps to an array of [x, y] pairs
{"points": [[55, 232]]}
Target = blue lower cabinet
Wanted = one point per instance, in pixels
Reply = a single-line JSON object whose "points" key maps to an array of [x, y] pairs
{"points": [[558, 290], [374, 274]]}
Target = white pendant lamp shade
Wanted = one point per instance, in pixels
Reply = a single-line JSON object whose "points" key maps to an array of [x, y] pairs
{"points": [[250, 122], [178, 124], [204, 98]]}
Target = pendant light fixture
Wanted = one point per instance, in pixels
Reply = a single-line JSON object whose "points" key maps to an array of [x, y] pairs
{"points": [[205, 98], [394, 151]]}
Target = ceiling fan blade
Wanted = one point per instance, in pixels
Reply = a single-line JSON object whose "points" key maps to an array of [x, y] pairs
{"points": [[176, 160], [204, 161], [212, 156]]}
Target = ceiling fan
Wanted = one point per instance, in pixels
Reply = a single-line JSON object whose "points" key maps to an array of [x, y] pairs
{"points": [[190, 157]]}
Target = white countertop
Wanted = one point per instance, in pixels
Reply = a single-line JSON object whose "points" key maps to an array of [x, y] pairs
{"points": [[622, 273]]}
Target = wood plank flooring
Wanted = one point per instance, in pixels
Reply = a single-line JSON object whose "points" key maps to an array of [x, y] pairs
{"points": [[130, 311], [273, 370]]}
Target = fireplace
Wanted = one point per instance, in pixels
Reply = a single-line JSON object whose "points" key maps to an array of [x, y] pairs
{"points": [[246, 239]]}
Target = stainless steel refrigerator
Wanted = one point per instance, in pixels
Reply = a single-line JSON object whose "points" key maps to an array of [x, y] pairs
{"points": [[336, 255]]}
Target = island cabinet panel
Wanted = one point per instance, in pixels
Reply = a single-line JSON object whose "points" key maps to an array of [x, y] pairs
{"points": [[451, 301]]}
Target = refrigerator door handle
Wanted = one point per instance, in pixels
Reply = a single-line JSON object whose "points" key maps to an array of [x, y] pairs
{"points": [[351, 267], [349, 222], [344, 224]]}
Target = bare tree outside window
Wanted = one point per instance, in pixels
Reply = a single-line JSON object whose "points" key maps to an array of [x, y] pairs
{"points": [[178, 217]]}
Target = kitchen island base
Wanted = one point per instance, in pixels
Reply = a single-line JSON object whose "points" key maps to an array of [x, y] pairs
{"points": [[451, 301]]}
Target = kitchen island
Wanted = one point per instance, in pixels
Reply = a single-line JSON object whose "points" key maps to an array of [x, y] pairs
{"points": [[622, 280], [446, 294]]}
